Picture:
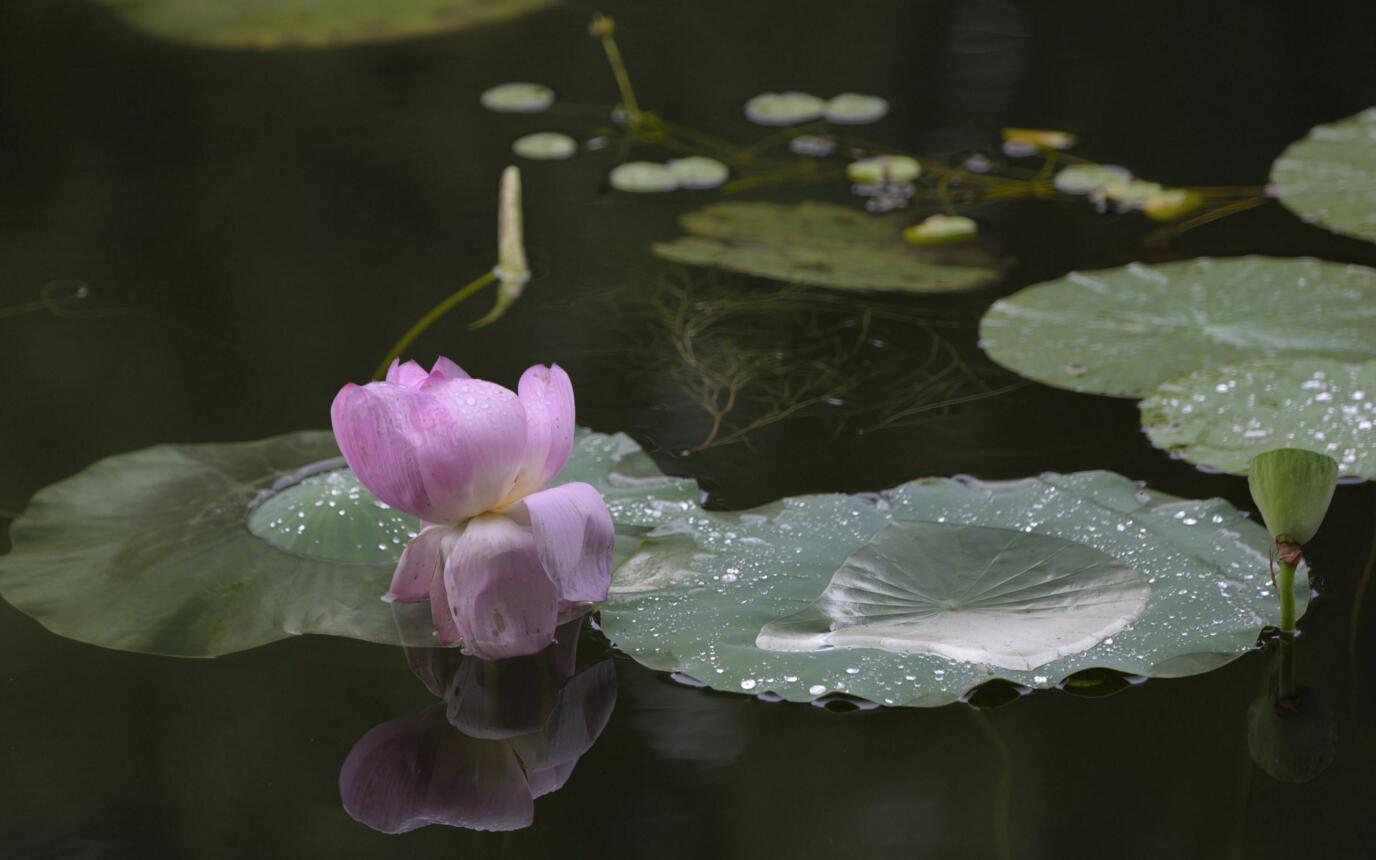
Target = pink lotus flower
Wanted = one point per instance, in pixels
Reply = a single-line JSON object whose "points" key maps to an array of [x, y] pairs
{"points": [[498, 556]]}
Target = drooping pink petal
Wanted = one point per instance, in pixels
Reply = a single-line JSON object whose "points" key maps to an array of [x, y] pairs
{"points": [[574, 537], [443, 452], [503, 602], [446, 633], [419, 770], [410, 374], [547, 395], [421, 563]]}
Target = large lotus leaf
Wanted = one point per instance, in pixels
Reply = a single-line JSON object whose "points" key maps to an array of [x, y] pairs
{"points": [[266, 24], [1224, 416], [1329, 177], [1124, 331], [824, 245], [201, 550], [951, 606]]}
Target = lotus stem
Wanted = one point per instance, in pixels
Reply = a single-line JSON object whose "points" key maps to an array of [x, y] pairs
{"points": [[429, 319], [603, 29], [1285, 587]]}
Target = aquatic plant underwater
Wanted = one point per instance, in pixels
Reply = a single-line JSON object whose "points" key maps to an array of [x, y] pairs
{"points": [[513, 528]]}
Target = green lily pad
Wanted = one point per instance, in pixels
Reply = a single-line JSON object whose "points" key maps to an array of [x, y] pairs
{"points": [[1221, 417], [1124, 331], [1329, 177], [545, 146], [268, 24], [918, 595], [202, 550], [824, 245]]}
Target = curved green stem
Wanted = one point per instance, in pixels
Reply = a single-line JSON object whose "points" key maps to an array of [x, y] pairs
{"points": [[429, 319]]}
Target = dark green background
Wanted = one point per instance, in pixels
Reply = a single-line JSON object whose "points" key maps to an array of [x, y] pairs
{"points": [[265, 225]]}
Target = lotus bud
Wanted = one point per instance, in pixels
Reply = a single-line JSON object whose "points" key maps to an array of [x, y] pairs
{"points": [[512, 271], [1292, 488]]}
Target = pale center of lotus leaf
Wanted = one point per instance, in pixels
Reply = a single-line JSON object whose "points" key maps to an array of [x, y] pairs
{"points": [[322, 511], [1011, 599]]}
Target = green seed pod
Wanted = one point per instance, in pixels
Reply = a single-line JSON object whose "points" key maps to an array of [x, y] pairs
{"points": [[1292, 489]]}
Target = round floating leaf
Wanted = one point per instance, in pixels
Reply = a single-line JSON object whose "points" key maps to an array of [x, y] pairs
{"points": [[1148, 585], [942, 230], [1084, 178], [545, 146], [1124, 331], [1221, 417], [267, 24], [1329, 177], [517, 97], [784, 108], [201, 550], [884, 168], [824, 245], [855, 109], [643, 177], [697, 172], [1010, 599]]}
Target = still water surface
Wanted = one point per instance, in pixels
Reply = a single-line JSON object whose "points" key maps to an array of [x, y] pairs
{"points": [[261, 227]]}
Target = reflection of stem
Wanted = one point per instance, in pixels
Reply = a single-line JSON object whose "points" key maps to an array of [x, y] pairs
{"points": [[1353, 626], [1285, 668], [1285, 586], [1003, 788], [429, 319]]}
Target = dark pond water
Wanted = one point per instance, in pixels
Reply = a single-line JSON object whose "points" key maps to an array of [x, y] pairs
{"points": [[261, 227]]}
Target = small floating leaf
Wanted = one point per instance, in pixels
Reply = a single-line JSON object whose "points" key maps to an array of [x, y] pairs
{"points": [[1038, 138], [815, 145], [268, 24], [1292, 489], [904, 589], [545, 146], [518, 98], [643, 177], [942, 230], [823, 245], [789, 108], [884, 168], [856, 109], [202, 550], [1172, 204], [1329, 177], [1085, 178], [1126, 194], [1124, 331], [698, 172], [1221, 417]]}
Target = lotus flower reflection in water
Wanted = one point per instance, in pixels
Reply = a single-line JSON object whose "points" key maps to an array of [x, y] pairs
{"points": [[499, 557], [507, 732]]}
